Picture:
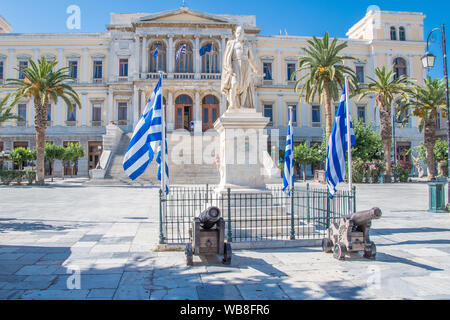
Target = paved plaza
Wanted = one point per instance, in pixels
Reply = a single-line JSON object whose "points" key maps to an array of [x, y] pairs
{"points": [[73, 241]]}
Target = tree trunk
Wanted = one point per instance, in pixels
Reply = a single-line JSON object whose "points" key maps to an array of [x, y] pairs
{"points": [[328, 115], [386, 138], [429, 138], [51, 167], [40, 123]]}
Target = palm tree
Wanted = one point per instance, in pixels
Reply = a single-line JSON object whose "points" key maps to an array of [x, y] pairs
{"points": [[425, 102], [43, 85], [325, 74], [386, 87], [5, 111]]}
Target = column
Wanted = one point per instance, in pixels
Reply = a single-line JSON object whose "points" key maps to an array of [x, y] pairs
{"points": [[137, 43], [84, 107], [109, 107], [279, 66], [222, 49], [35, 55], [31, 118], [11, 62], [144, 55], [197, 113], [197, 57], [256, 101], [136, 113], [280, 111], [410, 66], [59, 112], [170, 57], [111, 52], [304, 107], [170, 112], [143, 101], [85, 64]]}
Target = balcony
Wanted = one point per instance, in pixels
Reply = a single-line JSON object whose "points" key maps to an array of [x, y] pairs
{"points": [[96, 123], [71, 123], [184, 76], [210, 76], [21, 123], [152, 76], [316, 124], [97, 81], [122, 122], [267, 82], [122, 78]]}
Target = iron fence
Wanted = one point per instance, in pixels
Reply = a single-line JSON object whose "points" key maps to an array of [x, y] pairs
{"points": [[273, 215]]}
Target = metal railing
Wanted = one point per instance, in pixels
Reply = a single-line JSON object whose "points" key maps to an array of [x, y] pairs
{"points": [[264, 216]]}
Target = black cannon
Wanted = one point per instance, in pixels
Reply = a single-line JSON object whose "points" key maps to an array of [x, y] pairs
{"points": [[207, 236], [352, 235]]}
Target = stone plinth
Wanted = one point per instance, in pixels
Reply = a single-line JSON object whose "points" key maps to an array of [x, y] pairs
{"points": [[242, 147]]}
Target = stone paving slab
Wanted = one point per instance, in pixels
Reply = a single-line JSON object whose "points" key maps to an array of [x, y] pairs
{"points": [[40, 249]]}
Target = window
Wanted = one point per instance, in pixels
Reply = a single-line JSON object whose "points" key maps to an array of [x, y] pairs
{"points": [[22, 112], [122, 111], [96, 112], [360, 73], [315, 114], [210, 60], [401, 34], [158, 63], [98, 69], [49, 112], [184, 64], [22, 65], [123, 68], [399, 67], [294, 113], [73, 69], [393, 33], [362, 113], [290, 71], [1, 71], [214, 115], [72, 114], [267, 69], [268, 112]]}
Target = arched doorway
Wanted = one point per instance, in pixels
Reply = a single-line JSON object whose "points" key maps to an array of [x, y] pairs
{"points": [[210, 112], [183, 112]]}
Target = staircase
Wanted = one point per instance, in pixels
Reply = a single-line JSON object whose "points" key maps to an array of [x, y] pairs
{"points": [[178, 173]]}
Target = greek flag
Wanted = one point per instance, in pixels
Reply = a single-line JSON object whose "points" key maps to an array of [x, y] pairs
{"points": [[288, 174], [158, 160], [181, 51], [155, 53], [145, 136], [337, 147]]}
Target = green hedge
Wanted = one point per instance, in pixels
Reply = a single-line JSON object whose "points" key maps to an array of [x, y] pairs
{"points": [[8, 176]]}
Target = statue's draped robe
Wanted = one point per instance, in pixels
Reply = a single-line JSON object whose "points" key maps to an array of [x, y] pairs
{"points": [[244, 75]]}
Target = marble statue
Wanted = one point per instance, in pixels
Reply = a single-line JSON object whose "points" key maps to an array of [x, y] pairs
{"points": [[239, 71]]}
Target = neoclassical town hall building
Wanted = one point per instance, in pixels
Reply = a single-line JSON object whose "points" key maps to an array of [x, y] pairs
{"points": [[116, 69]]}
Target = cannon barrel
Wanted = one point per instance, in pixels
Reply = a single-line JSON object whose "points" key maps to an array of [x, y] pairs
{"points": [[363, 217], [209, 217]]}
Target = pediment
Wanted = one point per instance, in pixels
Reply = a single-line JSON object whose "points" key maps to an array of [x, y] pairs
{"points": [[183, 15]]}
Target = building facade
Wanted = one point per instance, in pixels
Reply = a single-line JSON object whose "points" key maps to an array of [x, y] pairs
{"points": [[115, 71]]}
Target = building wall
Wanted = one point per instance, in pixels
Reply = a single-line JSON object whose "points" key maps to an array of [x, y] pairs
{"points": [[368, 42]]}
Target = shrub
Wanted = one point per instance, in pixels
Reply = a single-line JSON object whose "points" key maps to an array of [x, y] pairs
{"points": [[7, 176], [30, 176], [403, 169]]}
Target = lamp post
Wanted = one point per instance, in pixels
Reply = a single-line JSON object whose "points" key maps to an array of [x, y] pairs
{"points": [[428, 62]]}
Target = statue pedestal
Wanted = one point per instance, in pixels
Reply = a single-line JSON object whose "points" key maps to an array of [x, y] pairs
{"points": [[242, 146]]}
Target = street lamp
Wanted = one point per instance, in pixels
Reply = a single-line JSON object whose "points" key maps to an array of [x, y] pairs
{"points": [[428, 62]]}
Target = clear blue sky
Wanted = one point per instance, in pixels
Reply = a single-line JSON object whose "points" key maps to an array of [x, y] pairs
{"points": [[298, 17]]}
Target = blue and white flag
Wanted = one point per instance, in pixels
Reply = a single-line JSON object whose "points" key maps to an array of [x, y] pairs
{"points": [[158, 160], [205, 49], [288, 174], [147, 133], [155, 53], [181, 51], [337, 147]]}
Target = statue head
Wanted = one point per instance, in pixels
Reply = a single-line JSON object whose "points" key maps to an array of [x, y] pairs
{"points": [[239, 33]]}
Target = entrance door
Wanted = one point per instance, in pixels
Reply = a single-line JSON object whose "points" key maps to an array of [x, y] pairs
{"points": [[210, 113], [183, 112], [95, 151]]}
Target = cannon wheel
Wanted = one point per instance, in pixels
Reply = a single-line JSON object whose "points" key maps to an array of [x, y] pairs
{"points": [[327, 245], [371, 252], [189, 255], [339, 251], [227, 254]]}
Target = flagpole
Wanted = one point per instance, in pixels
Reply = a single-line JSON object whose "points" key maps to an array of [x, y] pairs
{"points": [[163, 153], [349, 141]]}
